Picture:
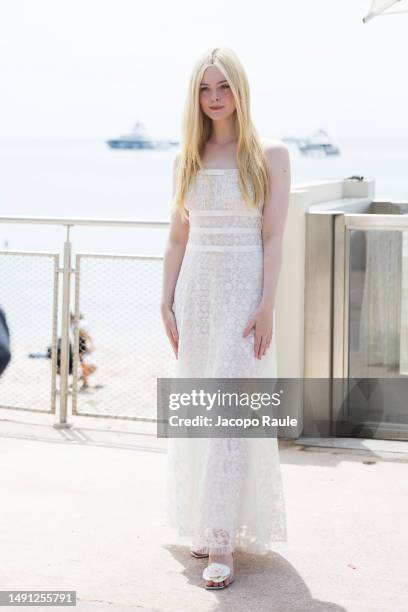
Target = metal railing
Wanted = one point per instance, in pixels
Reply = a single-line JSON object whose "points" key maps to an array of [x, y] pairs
{"points": [[120, 297]]}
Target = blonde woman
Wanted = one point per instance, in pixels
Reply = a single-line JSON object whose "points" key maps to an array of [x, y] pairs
{"points": [[221, 268]]}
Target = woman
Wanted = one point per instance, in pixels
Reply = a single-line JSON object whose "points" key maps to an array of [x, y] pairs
{"points": [[221, 267]]}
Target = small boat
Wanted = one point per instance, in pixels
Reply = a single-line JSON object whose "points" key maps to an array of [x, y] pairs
{"points": [[137, 139], [318, 142]]}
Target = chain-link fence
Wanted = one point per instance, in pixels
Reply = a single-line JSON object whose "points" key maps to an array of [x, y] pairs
{"points": [[120, 297], [85, 330], [29, 296]]}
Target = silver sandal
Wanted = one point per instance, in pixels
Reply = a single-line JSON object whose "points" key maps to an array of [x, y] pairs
{"points": [[218, 572], [199, 555]]}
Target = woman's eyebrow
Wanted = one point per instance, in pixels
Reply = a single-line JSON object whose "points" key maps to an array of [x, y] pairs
{"points": [[219, 82]]}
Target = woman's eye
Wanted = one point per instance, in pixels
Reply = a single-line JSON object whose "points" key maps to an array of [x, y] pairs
{"points": [[222, 86]]}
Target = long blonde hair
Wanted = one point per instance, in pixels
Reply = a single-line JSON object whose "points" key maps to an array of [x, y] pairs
{"points": [[196, 129]]}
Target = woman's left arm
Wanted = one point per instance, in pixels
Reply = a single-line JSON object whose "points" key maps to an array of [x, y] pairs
{"points": [[273, 225], [274, 219]]}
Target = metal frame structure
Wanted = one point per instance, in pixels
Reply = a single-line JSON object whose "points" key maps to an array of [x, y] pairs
{"points": [[327, 289]]}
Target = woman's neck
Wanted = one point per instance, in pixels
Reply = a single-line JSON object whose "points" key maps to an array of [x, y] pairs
{"points": [[223, 133]]}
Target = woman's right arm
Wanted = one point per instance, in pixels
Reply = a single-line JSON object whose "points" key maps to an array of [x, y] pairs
{"points": [[173, 258]]}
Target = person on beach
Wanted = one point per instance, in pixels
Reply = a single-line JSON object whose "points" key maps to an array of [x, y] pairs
{"points": [[86, 347]]}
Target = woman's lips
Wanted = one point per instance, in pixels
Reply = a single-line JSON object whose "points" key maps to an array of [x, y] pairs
{"points": [[216, 107]]}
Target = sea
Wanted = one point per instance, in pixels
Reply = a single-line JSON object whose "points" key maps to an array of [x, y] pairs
{"points": [[88, 180]]}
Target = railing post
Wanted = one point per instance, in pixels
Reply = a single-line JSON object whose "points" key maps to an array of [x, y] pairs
{"points": [[65, 320]]}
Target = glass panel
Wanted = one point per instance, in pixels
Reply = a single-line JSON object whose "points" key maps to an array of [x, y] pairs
{"points": [[375, 304], [378, 330]]}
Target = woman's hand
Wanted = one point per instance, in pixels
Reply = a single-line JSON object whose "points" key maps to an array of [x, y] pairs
{"points": [[170, 326], [262, 321]]}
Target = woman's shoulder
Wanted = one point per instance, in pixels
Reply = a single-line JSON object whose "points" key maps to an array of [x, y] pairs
{"points": [[275, 150], [271, 145]]}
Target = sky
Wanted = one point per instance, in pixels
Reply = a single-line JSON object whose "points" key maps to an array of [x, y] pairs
{"points": [[92, 68]]}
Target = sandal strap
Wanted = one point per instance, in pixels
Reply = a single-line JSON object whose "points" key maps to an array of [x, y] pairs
{"points": [[217, 572]]}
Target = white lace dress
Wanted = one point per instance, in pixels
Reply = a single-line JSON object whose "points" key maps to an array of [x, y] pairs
{"points": [[223, 493]]}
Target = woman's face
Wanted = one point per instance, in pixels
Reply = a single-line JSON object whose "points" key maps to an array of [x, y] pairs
{"points": [[216, 98]]}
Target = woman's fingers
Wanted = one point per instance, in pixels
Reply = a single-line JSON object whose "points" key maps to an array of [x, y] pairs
{"points": [[262, 345], [173, 340], [262, 341], [174, 331], [249, 326], [257, 345], [171, 330]]}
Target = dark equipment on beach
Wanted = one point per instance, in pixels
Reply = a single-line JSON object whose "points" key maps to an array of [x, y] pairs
{"points": [[5, 354]]}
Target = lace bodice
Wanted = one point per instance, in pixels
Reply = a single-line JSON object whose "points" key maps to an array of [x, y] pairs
{"points": [[220, 219]]}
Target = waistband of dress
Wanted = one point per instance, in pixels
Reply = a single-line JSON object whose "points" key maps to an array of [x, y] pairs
{"points": [[223, 213], [252, 248]]}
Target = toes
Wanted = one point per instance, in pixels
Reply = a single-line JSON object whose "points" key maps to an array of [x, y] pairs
{"points": [[223, 583]]}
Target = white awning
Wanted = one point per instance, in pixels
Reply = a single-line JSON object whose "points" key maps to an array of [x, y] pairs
{"points": [[386, 7]]}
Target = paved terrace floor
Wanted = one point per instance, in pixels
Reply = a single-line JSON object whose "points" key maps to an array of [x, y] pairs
{"points": [[82, 509]]}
